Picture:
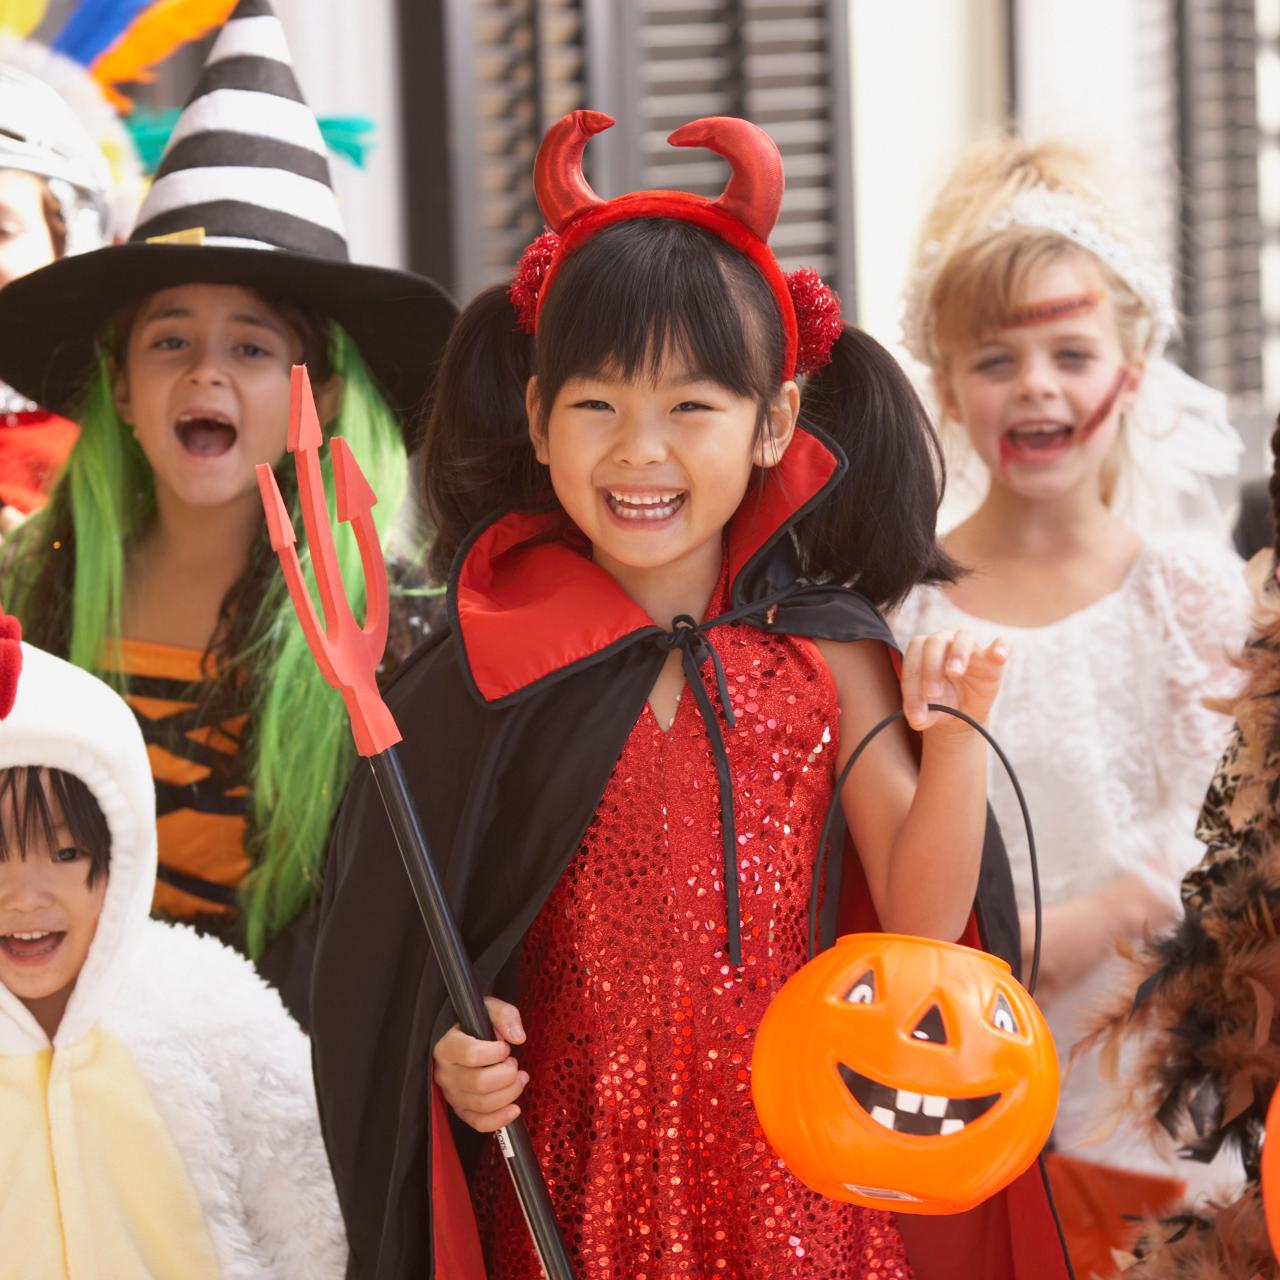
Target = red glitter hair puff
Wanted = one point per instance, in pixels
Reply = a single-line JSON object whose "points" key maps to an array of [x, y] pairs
{"points": [[742, 215], [10, 661]]}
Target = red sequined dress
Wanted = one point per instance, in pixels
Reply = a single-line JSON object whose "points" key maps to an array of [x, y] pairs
{"points": [[640, 1032]]}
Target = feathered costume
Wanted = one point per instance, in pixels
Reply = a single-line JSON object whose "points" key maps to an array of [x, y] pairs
{"points": [[1209, 989]]}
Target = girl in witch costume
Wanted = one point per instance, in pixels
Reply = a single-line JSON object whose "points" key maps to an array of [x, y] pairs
{"points": [[1044, 324], [623, 752], [1203, 1011], [152, 562]]}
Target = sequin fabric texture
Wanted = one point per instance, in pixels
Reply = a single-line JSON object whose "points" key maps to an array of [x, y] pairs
{"points": [[640, 1031]]}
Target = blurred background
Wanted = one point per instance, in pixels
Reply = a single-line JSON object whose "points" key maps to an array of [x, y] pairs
{"points": [[869, 100]]}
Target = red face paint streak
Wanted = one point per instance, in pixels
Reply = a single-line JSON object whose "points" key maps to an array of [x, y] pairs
{"points": [[1051, 309], [1006, 455], [1085, 430], [1103, 411]]}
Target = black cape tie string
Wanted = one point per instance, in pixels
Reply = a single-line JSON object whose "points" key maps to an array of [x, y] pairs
{"points": [[689, 636]]}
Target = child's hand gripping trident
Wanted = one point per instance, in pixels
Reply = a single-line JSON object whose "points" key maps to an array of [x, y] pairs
{"points": [[348, 656]]}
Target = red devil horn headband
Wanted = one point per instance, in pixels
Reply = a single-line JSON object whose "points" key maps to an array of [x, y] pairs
{"points": [[753, 194], [743, 216], [562, 192]]}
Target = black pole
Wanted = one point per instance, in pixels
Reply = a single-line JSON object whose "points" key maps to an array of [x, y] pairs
{"points": [[473, 1017]]}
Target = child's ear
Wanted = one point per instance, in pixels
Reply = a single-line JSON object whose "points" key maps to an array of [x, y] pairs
{"points": [[1136, 371], [119, 388], [329, 398], [537, 428], [780, 419]]}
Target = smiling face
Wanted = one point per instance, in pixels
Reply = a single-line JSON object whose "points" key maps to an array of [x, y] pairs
{"points": [[902, 1073], [652, 469], [26, 242], [1041, 399], [52, 886], [204, 383]]}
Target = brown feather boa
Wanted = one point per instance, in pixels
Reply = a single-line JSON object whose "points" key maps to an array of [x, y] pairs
{"points": [[1208, 991]]}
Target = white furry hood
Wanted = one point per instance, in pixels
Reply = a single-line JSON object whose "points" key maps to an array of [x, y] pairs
{"points": [[65, 718]]}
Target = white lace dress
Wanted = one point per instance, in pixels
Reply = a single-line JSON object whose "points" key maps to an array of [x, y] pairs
{"points": [[1101, 714]]}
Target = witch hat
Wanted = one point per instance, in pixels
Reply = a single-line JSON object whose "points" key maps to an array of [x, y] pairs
{"points": [[242, 196]]}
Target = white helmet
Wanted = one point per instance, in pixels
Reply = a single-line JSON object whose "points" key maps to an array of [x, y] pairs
{"points": [[41, 134]]}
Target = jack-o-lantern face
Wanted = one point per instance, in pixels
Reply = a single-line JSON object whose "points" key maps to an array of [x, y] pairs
{"points": [[902, 1073]]}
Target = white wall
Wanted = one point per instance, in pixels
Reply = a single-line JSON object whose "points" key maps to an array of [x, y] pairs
{"points": [[928, 78], [346, 52], [1115, 93]]}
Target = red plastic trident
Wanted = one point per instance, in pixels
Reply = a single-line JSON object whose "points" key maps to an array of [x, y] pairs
{"points": [[347, 654]]}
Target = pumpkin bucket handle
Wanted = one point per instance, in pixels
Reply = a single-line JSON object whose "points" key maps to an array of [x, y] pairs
{"points": [[834, 809]]}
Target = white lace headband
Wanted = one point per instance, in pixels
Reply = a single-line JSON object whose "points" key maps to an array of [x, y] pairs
{"points": [[1081, 221]]}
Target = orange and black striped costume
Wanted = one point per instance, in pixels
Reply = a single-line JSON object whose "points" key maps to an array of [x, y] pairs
{"points": [[201, 812]]}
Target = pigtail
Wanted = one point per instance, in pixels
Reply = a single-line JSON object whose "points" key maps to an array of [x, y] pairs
{"points": [[476, 454], [877, 532]]}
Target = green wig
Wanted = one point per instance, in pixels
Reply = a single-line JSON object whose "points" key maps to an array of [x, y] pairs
{"points": [[67, 566]]}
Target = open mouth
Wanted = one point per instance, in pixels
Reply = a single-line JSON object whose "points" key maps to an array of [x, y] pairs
{"points": [[922, 1115], [645, 507], [31, 947], [205, 434], [1038, 439]]}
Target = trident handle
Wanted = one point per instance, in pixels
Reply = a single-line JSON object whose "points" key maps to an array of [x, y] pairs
{"points": [[348, 656]]}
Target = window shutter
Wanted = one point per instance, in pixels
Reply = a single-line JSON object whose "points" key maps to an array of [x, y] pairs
{"points": [[1222, 229], [511, 67]]}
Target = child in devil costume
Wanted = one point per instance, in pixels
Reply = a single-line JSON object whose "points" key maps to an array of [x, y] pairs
{"points": [[152, 561], [623, 753]]}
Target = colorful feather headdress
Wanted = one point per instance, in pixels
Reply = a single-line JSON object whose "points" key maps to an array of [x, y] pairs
{"points": [[99, 46], [119, 41]]}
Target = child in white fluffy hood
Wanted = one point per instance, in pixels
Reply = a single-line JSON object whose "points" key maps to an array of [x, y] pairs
{"points": [[157, 1115]]}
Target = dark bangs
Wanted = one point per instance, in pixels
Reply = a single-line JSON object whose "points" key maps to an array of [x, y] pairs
{"points": [[28, 813], [650, 290]]}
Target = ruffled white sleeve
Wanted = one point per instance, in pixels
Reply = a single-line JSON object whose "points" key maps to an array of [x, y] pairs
{"points": [[1199, 608]]}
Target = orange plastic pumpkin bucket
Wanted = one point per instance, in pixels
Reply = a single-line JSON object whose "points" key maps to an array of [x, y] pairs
{"points": [[904, 1073], [1271, 1172]]}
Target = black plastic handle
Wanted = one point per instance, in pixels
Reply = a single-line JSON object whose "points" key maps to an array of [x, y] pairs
{"points": [[870, 737]]}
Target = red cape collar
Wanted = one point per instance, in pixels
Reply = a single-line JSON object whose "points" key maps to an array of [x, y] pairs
{"points": [[528, 602]]}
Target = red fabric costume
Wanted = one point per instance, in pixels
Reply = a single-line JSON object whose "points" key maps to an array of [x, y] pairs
{"points": [[33, 447], [644, 1126]]}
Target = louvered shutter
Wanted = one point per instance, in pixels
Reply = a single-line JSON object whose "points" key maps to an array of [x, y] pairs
{"points": [[783, 66], [1268, 93], [1222, 230], [511, 67]]}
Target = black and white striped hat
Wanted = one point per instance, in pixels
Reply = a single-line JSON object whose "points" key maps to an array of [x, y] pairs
{"points": [[242, 196]]}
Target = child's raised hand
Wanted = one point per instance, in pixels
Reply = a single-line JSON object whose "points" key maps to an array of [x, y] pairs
{"points": [[948, 667], [480, 1079]]}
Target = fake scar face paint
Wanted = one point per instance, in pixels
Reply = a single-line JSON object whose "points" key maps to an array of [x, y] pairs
{"points": [[1050, 310], [1044, 446]]}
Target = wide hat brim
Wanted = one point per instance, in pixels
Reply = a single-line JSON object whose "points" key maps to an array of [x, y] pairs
{"points": [[52, 319]]}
